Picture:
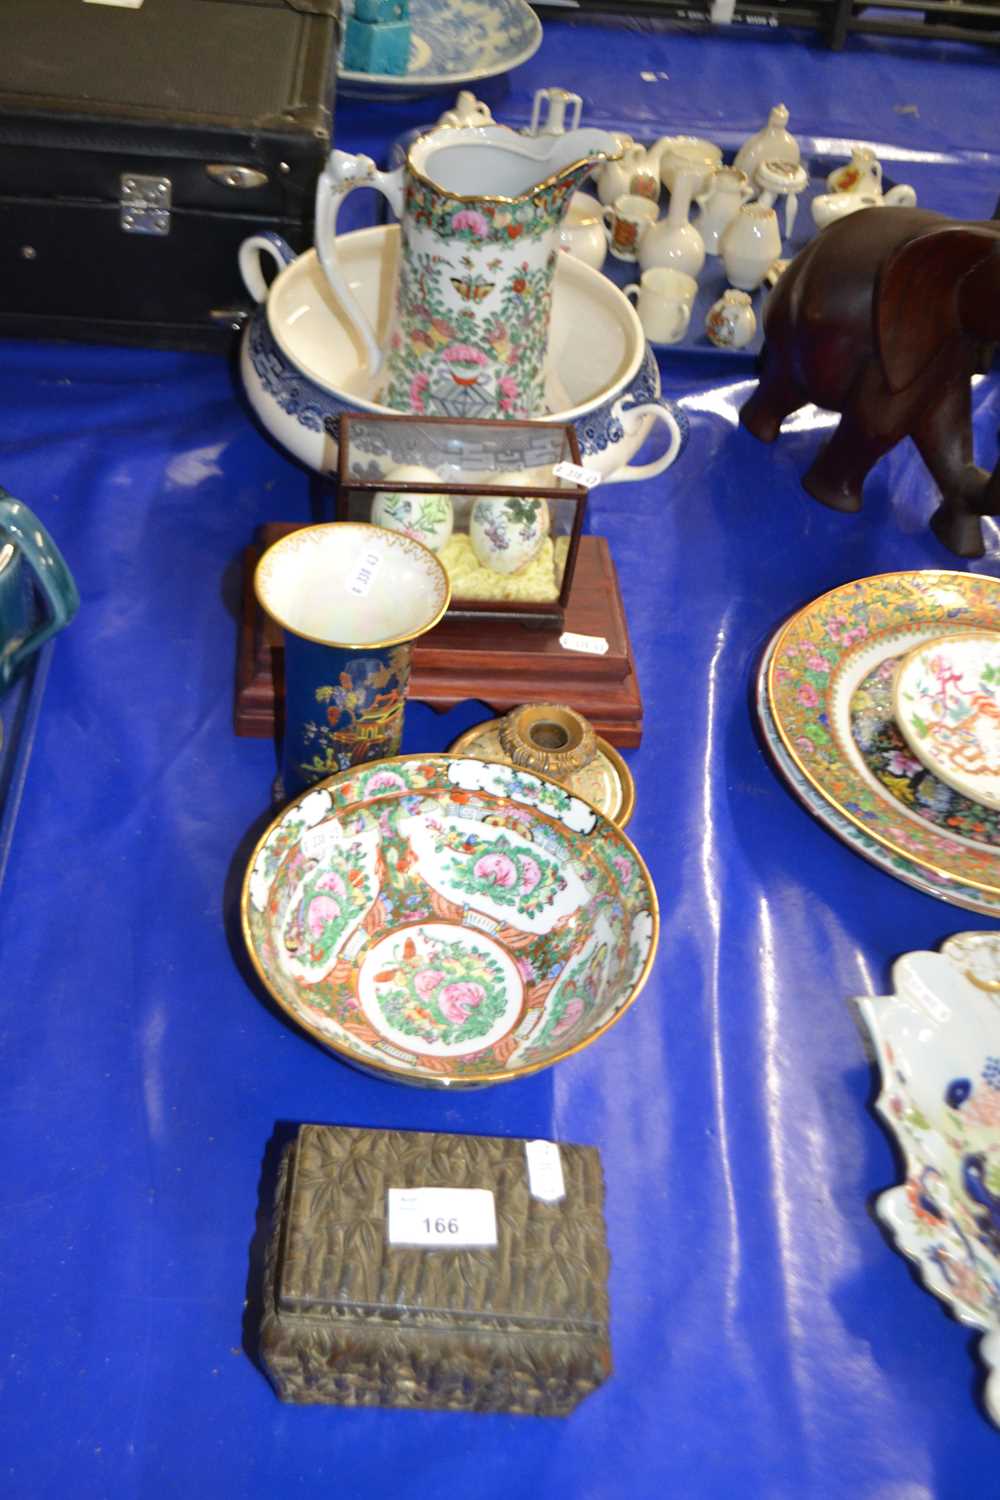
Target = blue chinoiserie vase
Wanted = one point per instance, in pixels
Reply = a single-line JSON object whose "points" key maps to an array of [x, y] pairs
{"points": [[350, 600]]}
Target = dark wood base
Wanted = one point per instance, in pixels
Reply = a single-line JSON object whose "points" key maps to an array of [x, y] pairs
{"points": [[499, 663]]}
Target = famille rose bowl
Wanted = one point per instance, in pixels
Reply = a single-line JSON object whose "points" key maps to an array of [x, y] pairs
{"points": [[946, 699], [449, 922], [303, 365], [937, 1044]]}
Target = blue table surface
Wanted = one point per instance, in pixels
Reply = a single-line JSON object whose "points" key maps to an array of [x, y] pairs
{"points": [[767, 1340]]}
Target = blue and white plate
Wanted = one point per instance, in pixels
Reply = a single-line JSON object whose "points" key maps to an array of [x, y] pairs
{"points": [[453, 43]]}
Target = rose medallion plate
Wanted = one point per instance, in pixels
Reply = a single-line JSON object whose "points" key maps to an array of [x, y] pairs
{"points": [[937, 1044], [449, 922], [877, 854], [820, 659], [947, 706]]}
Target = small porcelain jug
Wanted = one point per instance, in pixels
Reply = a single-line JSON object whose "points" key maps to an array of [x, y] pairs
{"points": [[582, 231], [615, 179], [750, 244], [549, 111], [673, 241], [664, 299], [828, 207], [731, 322], [727, 192], [862, 174], [771, 143]]}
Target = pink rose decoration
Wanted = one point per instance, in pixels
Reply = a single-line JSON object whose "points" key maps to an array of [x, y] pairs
{"points": [[508, 385], [456, 1000], [623, 867], [331, 881], [808, 695], [427, 981], [569, 1017], [498, 868], [468, 218], [530, 873], [464, 354], [322, 910], [383, 780], [418, 385]]}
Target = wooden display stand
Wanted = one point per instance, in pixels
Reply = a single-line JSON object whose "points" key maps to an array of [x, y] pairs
{"points": [[499, 664]]}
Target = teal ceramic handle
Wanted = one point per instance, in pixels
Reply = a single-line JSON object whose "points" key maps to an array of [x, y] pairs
{"points": [[22, 527]]}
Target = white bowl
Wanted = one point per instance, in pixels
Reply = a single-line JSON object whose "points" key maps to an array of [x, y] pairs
{"points": [[303, 365]]}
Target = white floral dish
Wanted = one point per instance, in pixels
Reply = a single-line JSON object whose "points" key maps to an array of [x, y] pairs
{"points": [[449, 922], [453, 43], [946, 701], [937, 1044]]}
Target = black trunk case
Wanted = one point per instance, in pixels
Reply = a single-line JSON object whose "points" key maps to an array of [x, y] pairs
{"points": [[100, 106]]}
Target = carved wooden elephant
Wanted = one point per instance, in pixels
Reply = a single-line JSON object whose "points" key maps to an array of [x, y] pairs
{"points": [[884, 317]]}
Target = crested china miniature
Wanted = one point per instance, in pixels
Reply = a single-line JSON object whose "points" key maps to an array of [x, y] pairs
{"points": [[719, 205], [937, 1046], [665, 298], [687, 153], [673, 241], [750, 245], [771, 143], [782, 179], [826, 208], [507, 531], [302, 365], [946, 701], [549, 110], [448, 922], [627, 221], [731, 322], [427, 518], [614, 179], [862, 174], [582, 231], [480, 208]]}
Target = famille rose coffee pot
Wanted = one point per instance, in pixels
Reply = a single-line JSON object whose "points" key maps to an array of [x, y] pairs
{"points": [[480, 208]]}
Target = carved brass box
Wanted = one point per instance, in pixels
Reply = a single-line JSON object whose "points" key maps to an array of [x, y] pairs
{"points": [[352, 1320]]}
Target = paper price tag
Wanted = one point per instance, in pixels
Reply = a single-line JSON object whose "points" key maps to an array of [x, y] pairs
{"points": [[577, 474], [442, 1218], [593, 645], [545, 1173], [364, 574]]}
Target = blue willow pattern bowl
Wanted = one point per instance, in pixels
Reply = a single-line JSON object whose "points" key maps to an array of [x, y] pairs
{"points": [[448, 922]]}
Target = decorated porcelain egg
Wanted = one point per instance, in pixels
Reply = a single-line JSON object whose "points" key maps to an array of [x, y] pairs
{"points": [[427, 518], [507, 531]]}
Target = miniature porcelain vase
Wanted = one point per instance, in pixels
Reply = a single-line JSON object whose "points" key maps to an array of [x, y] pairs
{"points": [[771, 143], [673, 241], [507, 531], [427, 518], [750, 244], [680, 153], [480, 208], [862, 174], [615, 177], [727, 192], [731, 322]]}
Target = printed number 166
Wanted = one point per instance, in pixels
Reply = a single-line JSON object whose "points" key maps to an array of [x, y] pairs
{"points": [[441, 1226]]}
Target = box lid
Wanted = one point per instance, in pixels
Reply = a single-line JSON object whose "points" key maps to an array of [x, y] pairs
{"points": [[548, 1271]]}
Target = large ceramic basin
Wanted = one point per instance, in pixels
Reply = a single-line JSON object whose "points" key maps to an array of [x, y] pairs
{"points": [[304, 366]]}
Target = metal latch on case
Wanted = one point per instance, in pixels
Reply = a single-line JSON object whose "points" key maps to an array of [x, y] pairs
{"points": [[236, 177], [144, 204]]}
